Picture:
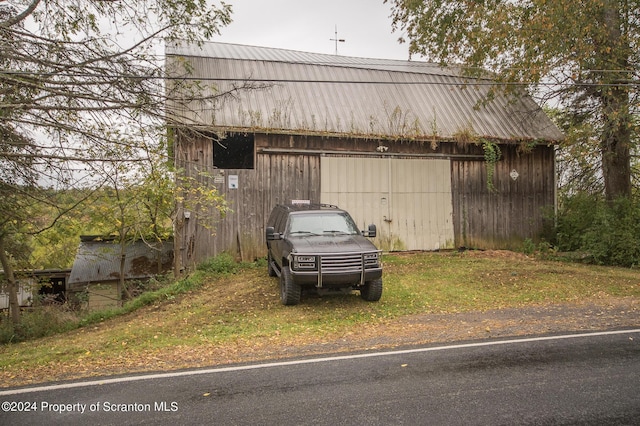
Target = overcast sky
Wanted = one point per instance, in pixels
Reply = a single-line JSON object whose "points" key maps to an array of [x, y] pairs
{"points": [[308, 25]]}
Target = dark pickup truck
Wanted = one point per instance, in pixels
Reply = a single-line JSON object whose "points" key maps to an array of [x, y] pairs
{"points": [[319, 245]]}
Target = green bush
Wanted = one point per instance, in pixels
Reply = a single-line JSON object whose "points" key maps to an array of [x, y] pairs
{"points": [[609, 232], [224, 263], [7, 333], [575, 216], [37, 322]]}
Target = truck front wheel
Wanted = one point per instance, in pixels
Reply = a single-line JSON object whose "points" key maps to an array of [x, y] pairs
{"points": [[372, 290], [289, 291]]}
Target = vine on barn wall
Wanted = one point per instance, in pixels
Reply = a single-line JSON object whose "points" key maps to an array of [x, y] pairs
{"points": [[492, 155], [492, 152]]}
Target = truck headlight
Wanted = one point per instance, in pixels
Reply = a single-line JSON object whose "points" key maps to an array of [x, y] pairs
{"points": [[304, 262], [306, 258], [371, 259]]}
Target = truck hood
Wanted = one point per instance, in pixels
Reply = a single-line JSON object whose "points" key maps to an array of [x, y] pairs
{"points": [[331, 244]]}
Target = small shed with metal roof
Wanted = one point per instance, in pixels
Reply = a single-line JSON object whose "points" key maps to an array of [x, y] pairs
{"points": [[97, 267], [407, 145]]}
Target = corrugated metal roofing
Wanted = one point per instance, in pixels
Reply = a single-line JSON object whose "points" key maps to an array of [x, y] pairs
{"points": [[99, 261], [268, 54], [300, 92]]}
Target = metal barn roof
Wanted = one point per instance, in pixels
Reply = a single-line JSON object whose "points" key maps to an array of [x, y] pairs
{"points": [[99, 261], [279, 90]]}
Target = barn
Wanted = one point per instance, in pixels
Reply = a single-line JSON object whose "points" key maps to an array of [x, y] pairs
{"points": [[431, 157]]}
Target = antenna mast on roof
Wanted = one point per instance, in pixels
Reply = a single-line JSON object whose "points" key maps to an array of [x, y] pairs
{"points": [[341, 40]]}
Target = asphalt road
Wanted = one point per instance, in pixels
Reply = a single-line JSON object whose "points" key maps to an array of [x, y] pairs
{"points": [[576, 379]]}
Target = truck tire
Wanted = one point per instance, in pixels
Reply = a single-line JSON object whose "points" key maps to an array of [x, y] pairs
{"points": [[372, 290], [289, 291]]}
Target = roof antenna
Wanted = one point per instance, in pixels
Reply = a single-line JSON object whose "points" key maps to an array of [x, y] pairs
{"points": [[341, 40]]}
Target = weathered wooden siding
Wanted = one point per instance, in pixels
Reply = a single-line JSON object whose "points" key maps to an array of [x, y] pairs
{"points": [[276, 178], [288, 167], [103, 296], [514, 211]]}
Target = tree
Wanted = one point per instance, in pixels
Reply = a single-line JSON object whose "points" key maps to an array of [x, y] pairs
{"points": [[136, 203], [80, 82], [585, 57]]}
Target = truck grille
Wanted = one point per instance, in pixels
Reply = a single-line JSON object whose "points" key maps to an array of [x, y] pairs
{"points": [[341, 263], [348, 262], [336, 264]]}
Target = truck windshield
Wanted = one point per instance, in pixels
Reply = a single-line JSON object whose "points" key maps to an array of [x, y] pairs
{"points": [[322, 224]]}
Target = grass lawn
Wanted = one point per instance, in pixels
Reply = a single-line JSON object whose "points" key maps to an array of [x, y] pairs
{"points": [[226, 315]]}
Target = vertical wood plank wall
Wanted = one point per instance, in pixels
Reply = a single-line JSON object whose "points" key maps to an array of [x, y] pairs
{"points": [[481, 218], [515, 210], [276, 178]]}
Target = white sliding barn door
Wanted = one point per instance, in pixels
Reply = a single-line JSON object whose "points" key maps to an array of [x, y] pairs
{"points": [[409, 200]]}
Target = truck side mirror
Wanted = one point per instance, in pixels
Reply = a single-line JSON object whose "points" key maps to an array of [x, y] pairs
{"points": [[271, 234], [371, 232]]}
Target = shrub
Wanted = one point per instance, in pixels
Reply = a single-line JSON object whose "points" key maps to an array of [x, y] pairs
{"points": [[37, 322], [7, 334], [575, 216], [608, 231], [224, 263]]}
